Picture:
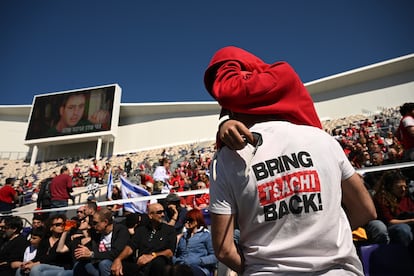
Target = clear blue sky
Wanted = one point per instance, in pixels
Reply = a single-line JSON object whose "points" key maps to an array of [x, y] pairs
{"points": [[157, 51]]}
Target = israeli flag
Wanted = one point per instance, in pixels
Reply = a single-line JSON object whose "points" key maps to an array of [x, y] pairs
{"points": [[110, 185], [131, 190]]}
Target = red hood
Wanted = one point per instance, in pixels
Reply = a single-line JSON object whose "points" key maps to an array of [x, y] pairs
{"points": [[267, 88]]}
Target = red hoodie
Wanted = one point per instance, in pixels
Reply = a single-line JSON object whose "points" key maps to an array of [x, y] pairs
{"points": [[243, 83]]}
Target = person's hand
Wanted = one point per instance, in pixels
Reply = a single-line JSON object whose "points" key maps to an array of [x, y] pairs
{"points": [[82, 252], [27, 266], [144, 259], [235, 134], [173, 209], [116, 268], [99, 117]]}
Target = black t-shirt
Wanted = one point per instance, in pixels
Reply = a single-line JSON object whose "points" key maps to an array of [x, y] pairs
{"points": [[11, 251]]}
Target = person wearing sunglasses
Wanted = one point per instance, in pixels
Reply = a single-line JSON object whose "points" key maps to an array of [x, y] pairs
{"points": [[69, 243], [47, 260], [80, 213], [109, 240], [195, 247], [155, 244], [13, 246]]}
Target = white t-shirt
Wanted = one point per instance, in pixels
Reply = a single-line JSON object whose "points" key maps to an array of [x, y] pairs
{"points": [[160, 174], [287, 201], [29, 253]]}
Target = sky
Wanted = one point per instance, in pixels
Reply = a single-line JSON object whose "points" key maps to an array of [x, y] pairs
{"points": [[158, 50]]}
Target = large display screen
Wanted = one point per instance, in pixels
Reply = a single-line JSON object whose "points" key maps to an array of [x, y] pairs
{"points": [[74, 112]]}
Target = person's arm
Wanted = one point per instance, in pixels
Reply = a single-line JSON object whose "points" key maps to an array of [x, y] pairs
{"points": [[234, 134], [399, 221], [116, 267], [15, 196], [174, 217], [222, 230], [146, 258], [357, 201], [61, 247]]}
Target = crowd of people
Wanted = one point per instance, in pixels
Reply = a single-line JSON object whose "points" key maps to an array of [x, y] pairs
{"points": [[94, 242], [100, 234]]}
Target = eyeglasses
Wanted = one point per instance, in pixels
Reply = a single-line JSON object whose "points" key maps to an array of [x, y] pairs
{"points": [[159, 212], [95, 222], [80, 211], [59, 224]]}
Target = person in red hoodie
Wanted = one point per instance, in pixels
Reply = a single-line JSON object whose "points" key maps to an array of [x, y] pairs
{"points": [[60, 189], [242, 81]]}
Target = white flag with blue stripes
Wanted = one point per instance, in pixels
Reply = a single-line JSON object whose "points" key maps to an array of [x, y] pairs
{"points": [[131, 190]]}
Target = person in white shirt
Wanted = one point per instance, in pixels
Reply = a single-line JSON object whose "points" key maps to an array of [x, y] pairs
{"points": [[162, 173], [284, 189]]}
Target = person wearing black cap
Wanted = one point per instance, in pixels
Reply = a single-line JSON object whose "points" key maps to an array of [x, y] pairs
{"points": [[8, 196], [60, 189], [175, 212]]}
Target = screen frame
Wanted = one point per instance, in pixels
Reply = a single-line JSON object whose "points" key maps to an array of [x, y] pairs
{"points": [[40, 137]]}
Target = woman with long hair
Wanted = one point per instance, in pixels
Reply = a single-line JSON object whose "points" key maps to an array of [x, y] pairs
{"points": [[394, 206], [69, 244]]}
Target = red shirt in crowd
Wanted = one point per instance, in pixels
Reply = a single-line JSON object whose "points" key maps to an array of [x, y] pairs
{"points": [[7, 194], [61, 187], [406, 205]]}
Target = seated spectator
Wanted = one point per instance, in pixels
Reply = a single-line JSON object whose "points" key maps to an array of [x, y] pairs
{"points": [[201, 201], [134, 220], [80, 213], [405, 132], [392, 157], [175, 214], [154, 243], [36, 236], [47, 260], [37, 221], [69, 243], [195, 247], [395, 208], [13, 246], [109, 242], [116, 194], [91, 207]]}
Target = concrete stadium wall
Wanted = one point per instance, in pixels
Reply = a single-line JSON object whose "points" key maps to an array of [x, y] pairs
{"points": [[12, 138], [165, 132], [367, 102]]}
